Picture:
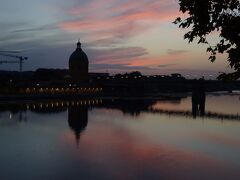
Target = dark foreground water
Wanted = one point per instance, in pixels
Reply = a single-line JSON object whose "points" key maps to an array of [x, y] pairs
{"points": [[120, 139]]}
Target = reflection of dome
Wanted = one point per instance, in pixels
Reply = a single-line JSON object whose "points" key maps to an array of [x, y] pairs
{"points": [[78, 120], [78, 65]]}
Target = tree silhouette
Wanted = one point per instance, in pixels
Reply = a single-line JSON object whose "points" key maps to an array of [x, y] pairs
{"points": [[205, 17]]}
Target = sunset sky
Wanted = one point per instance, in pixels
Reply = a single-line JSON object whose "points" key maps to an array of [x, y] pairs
{"points": [[117, 35]]}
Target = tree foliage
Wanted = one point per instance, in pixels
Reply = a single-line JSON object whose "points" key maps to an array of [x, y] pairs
{"points": [[205, 17]]}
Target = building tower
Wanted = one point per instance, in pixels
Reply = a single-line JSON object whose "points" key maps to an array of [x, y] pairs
{"points": [[78, 65]]}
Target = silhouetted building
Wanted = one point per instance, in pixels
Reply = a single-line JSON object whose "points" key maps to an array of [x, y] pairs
{"points": [[78, 65]]}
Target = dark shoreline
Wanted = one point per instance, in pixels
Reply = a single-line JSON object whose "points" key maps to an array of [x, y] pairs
{"points": [[163, 95], [88, 97], [128, 105]]}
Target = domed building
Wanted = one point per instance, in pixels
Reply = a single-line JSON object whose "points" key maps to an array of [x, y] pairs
{"points": [[78, 65]]}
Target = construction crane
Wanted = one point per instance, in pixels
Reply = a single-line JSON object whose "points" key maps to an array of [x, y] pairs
{"points": [[20, 60]]}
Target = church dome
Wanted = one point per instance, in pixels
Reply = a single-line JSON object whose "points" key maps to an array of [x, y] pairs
{"points": [[78, 64], [78, 56]]}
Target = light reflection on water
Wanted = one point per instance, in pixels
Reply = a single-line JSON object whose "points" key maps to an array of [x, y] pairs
{"points": [[119, 139], [224, 104]]}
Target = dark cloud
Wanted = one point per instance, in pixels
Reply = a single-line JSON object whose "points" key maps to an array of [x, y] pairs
{"points": [[9, 37], [176, 52], [117, 54], [122, 68], [8, 26], [34, 29], [105, 42], [45, 56], [166, 65]]}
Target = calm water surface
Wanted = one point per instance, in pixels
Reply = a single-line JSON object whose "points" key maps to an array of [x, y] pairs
{"points": [[120, 139]]}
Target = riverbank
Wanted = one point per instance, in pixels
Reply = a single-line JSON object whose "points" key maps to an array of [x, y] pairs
{"points": [[160, 95]]}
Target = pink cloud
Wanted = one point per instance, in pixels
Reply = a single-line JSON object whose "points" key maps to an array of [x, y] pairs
{"points": [[156, 61], [132, 56], [119, 21], [89, 8], [106, 17]]}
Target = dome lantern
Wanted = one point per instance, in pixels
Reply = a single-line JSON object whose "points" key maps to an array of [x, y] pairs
{"points": [[79, 44]]}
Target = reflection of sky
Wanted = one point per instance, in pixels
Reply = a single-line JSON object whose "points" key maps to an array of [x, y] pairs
{"points": [[134, 151], [117, 35], [223, 104], [121, 146]]}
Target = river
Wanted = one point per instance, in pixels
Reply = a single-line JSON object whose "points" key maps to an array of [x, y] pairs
{"points": [[121, 139]]}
